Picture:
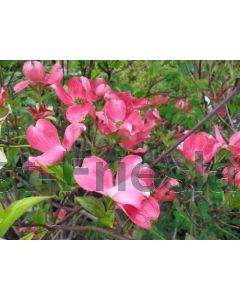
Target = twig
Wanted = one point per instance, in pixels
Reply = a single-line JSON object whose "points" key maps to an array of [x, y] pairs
{"points": [[13, 73], [23, 181], [226, 123], [90, 68], [81, 228]]}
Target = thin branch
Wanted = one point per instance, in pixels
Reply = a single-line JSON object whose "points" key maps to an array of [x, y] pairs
{"points": [[13, 73], [90, 68], [109, 232]]}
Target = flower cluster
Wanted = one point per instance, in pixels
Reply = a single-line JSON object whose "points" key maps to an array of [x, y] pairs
{"points": [[120, 113]]}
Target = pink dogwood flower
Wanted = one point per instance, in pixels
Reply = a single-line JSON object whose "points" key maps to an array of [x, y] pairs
{"points": [[182, 104], [130, 125], [3, 94], [44, 137], [83, 90], [135, 131], [131, 190], [200, 148], [231, 174], [35, 74], [165, 192]]}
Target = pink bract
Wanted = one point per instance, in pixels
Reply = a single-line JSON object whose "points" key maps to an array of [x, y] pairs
{"points": [[44, 137]]}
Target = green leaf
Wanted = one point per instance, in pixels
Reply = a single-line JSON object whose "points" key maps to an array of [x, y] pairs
{"points": [[4, 184], [108, 218], [68, 173], [1, 211], [13, 156], [39, 217], [28, 236], [92, 205], [56, 170], [15, 210]]}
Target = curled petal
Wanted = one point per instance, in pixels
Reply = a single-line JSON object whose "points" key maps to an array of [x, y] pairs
{"points": [[43, 136], [71, 134], [34, 71]]}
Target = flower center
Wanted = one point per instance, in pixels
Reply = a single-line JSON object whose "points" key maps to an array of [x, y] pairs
{"points": [[78, 101]]}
